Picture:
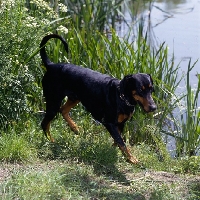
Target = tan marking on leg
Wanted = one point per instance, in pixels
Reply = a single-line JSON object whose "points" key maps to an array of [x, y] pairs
{"points": [[48, 133], [65, 113], [121, 118], [125, 150], [128, 154]]}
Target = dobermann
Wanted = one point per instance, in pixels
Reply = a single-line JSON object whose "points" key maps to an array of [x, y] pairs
{"points": [[109, 100]]}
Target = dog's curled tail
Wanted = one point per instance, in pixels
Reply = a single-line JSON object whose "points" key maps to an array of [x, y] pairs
{"points": [[43, 53]]}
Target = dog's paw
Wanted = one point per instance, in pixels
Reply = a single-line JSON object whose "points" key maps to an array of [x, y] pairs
{"points": [[114, 144], [48, 135], [75, 129], [128, 155], [132, 160]]}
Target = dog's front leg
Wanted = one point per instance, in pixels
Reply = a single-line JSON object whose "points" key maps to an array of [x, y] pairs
{"points": [[114, 131]]}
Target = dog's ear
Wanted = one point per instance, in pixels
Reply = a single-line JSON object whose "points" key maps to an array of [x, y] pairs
{"points": [[151, 82], [151, 78], [127, 84]]}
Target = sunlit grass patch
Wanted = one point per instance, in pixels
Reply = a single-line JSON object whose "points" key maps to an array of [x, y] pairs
{"points": [[57, 180], [15, 148], [34, 184], [77, 180]]}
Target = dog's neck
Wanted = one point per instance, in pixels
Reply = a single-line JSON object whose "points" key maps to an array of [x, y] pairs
{"points": [[127, 100], [122, 97]]}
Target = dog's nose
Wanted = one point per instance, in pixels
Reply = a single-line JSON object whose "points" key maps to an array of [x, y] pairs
{"points": [[152, 107]]}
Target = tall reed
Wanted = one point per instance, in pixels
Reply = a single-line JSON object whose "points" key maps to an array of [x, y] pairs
{"points": [[94, 15], [188, 132]]}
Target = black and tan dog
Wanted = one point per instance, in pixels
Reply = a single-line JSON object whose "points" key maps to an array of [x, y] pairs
{"points": [[109, 100]]}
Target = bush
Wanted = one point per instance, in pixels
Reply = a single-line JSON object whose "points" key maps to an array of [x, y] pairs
{"points": [[22, 28]]}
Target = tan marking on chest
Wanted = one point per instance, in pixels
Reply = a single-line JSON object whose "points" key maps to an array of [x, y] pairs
{"points": [[122, 117]]}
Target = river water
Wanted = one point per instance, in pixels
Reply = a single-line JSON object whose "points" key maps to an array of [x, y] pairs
{"points": [[177, 23]]}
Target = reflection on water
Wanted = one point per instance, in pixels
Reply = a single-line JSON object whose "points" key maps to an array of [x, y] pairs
{"points": [[171, 4]]}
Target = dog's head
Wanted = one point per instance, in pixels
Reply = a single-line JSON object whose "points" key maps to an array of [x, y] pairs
{"points": [[138, 88]]}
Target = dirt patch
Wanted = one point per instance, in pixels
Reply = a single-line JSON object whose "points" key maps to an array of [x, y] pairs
{"points": [[161, 176], [4, 173], [6, 170], [150, 181]]}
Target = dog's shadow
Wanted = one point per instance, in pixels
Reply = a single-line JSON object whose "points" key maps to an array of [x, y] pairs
{"points": [[102, 157]]}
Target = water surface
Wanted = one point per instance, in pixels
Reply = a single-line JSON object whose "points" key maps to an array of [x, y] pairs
{"points": [[175, 22]]}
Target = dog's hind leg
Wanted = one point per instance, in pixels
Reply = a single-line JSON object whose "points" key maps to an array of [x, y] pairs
{"points": [[52, 108], [65, 109], [46, 126]]}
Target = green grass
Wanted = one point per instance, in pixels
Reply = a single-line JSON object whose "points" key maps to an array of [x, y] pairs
{"points": [[88, 174], [15, 148]]}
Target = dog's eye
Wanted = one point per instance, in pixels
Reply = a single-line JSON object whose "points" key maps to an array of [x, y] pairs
{"points": [[141, 91], [143, 88]]}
